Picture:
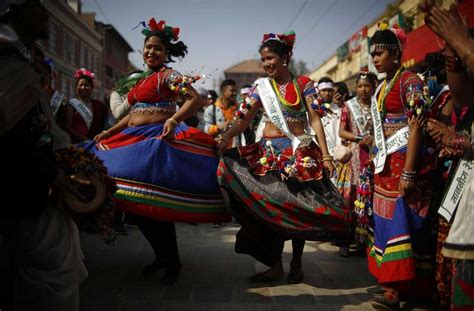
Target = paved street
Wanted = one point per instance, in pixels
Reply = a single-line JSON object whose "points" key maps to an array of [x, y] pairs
{"points": [[214, 276]]}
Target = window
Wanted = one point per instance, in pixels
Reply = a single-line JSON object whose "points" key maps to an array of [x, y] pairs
{"points": [[72, 88], [90, 63], [64, 85], [109, 71], [53, 36], [83, 53], [97, 64], [69, 48]]}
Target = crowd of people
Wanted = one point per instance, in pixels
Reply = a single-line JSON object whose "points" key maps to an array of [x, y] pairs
{"points": [[386, 173]]}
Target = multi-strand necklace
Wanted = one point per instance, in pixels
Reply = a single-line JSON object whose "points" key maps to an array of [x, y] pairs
{"points": [[282, 99], [384, 90]]}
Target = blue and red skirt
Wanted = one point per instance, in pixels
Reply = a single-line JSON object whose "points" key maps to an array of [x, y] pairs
{"points": [[170, 180]]}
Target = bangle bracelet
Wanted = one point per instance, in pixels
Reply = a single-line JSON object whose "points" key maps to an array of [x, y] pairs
{"points": [[223, 137], [327, 157], [173, 121]]}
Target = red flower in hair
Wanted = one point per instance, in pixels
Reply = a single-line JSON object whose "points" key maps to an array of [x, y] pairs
{"points": [[175, 31], [83, 72]]}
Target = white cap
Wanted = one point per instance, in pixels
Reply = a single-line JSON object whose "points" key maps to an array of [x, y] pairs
{"points": [[202, 91]]}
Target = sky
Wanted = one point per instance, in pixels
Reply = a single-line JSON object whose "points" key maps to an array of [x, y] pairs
{"points": [[222, 33]]}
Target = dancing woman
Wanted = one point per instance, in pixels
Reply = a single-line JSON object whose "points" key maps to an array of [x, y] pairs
{"points": [[402, 251], [278, 187], [165, 170]]}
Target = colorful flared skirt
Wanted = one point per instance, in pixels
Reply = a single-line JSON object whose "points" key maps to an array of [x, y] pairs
{"points": [[311, 209], [402, 253], [463, 286], [170, 180]]}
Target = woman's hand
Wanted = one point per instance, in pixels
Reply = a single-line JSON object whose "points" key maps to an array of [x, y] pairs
{"points": [[168, 128], [328, 169], [221, 147], [439, 131], [222, 143], [416, 123], [447, 152], [405, 187], [102, 135], [447, 24], [367, 141]]}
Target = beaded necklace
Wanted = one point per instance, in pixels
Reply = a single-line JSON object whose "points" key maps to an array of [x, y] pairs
{"points": [[286, 103], [385, 90]]}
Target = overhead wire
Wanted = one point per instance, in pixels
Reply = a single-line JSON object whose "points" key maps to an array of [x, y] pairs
{"points": [[102, 12], [297, 14], [318, 20]]}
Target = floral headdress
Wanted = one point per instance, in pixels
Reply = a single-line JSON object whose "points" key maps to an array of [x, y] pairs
{"points": [[172, 33], [399, 34], [83, 72], [287, 38]]}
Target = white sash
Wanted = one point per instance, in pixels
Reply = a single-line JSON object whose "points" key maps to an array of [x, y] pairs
{"points": [[83, 110], [272, 107], [456, 188], [381, 156], [398, 140], [56, 101], [358, 114]]}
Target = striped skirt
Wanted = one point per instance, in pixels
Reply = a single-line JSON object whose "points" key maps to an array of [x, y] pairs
{"points": [[306, 206], [402, 251], [169, 180]]}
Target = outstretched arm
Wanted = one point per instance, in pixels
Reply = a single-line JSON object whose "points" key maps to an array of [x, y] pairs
{"points": [[238, 126], [190, 107]]}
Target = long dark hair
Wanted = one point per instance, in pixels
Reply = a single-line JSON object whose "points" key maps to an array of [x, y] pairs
{"points": [[178, 49], [436, 65]]}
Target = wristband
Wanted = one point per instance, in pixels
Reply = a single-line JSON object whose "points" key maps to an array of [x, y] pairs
{"points": [[173, 121]]}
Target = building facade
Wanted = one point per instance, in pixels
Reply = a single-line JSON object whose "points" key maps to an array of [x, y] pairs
{"points": [[353, 55], [245, 72], [72, 44]]}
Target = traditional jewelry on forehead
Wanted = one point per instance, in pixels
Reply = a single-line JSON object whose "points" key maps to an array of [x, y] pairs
{"points": [[383, 46]]}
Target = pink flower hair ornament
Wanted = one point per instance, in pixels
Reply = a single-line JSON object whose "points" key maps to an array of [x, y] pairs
{"points": [[172, 33], [83, 72]]}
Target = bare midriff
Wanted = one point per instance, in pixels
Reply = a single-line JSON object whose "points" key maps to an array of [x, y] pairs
{"points": [[144, 118], [270, 130]]}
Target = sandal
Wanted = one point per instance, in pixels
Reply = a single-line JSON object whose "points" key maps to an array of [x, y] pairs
{"points": [[262, 278], [295, 277], [153, 267], [171, 274], [382, 303]]}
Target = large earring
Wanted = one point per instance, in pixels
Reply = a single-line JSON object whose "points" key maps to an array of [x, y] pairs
{"points": [[285, 64], [396, 61]]}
